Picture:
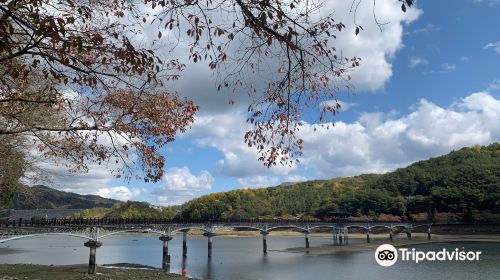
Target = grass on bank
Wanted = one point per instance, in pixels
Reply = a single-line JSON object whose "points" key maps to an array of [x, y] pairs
{"points": [[78, 272]]}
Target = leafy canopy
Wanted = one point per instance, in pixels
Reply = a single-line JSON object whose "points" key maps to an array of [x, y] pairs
{"points": [[79, 80]]}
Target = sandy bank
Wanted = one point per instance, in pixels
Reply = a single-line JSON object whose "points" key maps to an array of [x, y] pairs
{"points": [[399, 241]]}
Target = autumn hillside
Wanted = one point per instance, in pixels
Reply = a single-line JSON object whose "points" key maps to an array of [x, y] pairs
{"points": [[463, 185]]}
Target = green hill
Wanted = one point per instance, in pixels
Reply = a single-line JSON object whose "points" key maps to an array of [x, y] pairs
{"points": [[42, 197], [464, 184]]}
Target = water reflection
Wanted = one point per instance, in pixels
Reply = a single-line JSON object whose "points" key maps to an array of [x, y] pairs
{"points": [[242, 258], [207, 273]]}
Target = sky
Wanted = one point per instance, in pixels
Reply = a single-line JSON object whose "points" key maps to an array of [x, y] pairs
{"points": [[429, 83]]}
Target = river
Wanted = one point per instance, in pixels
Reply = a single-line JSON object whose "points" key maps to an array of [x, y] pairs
{"points": [[242, 258]]}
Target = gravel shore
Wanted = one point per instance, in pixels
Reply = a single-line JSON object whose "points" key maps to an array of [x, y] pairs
{"points": [[79, 272]]}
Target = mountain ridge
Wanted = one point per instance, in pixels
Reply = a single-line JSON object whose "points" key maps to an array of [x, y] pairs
{"points": [[44, 197], [461, 185]]}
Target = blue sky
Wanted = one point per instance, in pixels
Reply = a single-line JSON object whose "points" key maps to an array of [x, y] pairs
{"points": [[429, 83]]}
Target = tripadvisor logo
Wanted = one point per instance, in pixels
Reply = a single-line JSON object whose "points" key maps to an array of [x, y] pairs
{"points": [[387, 255]]}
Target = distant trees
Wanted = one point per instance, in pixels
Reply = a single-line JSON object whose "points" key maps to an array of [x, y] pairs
{"points": [[463, 182], [143, 210], [463, 186]]}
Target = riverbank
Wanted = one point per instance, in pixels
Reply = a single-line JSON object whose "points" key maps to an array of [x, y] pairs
{"points": [[441, 234], [399, 241], [235, 233], [79, 272]]}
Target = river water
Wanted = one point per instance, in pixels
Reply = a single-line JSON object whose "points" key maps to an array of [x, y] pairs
{"points": [[242, 258]]}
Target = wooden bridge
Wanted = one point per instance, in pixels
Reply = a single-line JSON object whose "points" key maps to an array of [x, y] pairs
{"points": [[95, 230]]}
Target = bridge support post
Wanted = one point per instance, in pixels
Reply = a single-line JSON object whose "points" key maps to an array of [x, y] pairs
{"points": [[368, 236], [307, 238], [334, 234], [209, 235], [264, 242], [340, 237], [346, 236], [165, 264], [408, 234], [391, 236], [93, 245], [429, 233], [184, 243], [210, 247]]}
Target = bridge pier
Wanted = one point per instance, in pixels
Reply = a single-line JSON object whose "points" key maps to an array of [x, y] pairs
{"points": [[209, 235], [166, 257], [408, 234], [368, 236], [391, 236], [334, 235], [93, 245], [345, 236], [210, 247], [429, 233], [264, 242], [184, 269], [307, 238], [184, 243]]}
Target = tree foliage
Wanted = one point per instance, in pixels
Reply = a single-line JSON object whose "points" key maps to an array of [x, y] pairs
{"points": [[12, 168], [460, 182], [80, 80], [75, 82]]}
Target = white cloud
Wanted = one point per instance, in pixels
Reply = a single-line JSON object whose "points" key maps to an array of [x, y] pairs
{"points": [[261, 181], [225, 132], [445, 68], [60, 178], [376, 142], [495, 85], [180, 185], [375, 48], [294, 179], [58, 174], [495, 46], [489, 2], [121, 193], [464, 58], [380, 142], [426, 29], [344, 106], [448, 67], [415, 61]]}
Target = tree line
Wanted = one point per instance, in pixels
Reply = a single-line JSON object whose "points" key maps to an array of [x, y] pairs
{"points": [[461, 186]]}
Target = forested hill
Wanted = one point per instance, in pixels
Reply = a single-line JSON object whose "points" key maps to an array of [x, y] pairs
{"points": [[465, 182], [461, 186], [42, 197]]}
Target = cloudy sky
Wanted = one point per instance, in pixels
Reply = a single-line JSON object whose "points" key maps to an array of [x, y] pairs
{"points": [[428, 84]]}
